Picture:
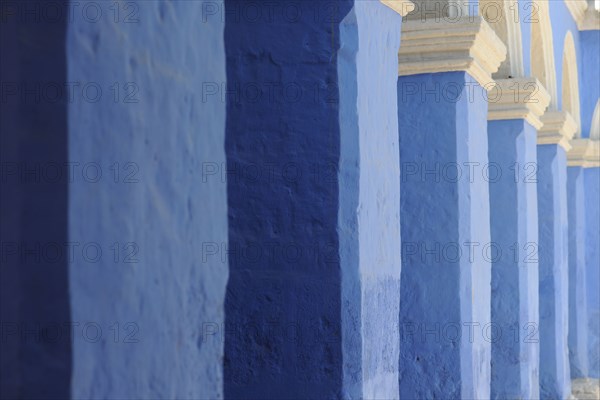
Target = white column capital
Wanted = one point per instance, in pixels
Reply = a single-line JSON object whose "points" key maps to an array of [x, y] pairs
{"points": [[402, 7], [519, 98], [584, 153], [465, 44], [590, 20], [559, 127], [577, 9]]}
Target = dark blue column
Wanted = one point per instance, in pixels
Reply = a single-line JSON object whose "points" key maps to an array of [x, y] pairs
{"points": [[36, 355], [313, 295]]}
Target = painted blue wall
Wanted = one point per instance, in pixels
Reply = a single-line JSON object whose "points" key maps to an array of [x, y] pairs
{"points": [[578, 318], [441, 290], [514, 223], [589, 79], [553, 269], [162, 289], [592, 258]]}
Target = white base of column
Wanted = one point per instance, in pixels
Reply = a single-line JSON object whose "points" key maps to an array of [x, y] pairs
{"points": [[585, 389]]}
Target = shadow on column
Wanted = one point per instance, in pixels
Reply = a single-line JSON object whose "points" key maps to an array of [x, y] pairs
{"points": [[36, 345], [282, 307]]}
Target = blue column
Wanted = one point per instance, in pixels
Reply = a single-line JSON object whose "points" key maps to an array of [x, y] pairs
{"points": [[36, 347], [146, 207], [578, 318], [553, 271], [592, 258], [313, 295], [514, 225], [445, 285], [369, 209], [445, 292]]}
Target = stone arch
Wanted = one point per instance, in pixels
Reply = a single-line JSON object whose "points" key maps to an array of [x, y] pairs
{"points": [[595, 127], [570, 82], [503, 17], [542, 47]]}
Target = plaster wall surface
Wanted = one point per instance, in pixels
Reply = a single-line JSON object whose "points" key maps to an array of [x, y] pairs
{"points": [[156, 291]]}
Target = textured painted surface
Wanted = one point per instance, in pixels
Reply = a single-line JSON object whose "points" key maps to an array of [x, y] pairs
{"points": [[578, 316], [514, 223], [553, 270], [339, 296], [445, 295], [589, 80], [592, 260], [160, 211]]}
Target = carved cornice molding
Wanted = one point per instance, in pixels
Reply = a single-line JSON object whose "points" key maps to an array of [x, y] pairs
{"points": [[591, 20], [521, 98], [559, 128], [402, 7], [467, 44], [584, 153]]}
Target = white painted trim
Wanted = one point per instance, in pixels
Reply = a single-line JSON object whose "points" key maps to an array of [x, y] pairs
{"points": [[523, 98], [559, 128], [584, 153], [515, 42], [468, 44], [402, 7], [505, 17], [595, 125], [591, 20], [577, 9], [546, 38], [570, 81]]}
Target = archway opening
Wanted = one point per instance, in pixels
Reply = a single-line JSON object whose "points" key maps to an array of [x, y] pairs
{"points": [[503, 17], [541, 49]]}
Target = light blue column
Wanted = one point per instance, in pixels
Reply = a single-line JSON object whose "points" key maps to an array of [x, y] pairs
{"points": [[445, 285], [514, 230], [578, 318], [553, 272], [369, 218], [592, 258], [146, 287]]}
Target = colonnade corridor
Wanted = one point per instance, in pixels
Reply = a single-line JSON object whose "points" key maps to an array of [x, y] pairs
{"points": [[314, 199]]}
